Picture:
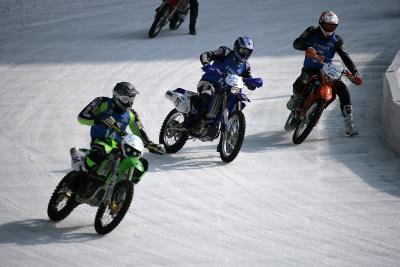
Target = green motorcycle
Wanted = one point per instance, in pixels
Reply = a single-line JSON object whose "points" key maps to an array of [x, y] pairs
{"points": [[109, 187]]}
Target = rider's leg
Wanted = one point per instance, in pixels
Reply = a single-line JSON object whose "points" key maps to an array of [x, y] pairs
{"points": [[200, 103], [298, 87], [99, 150], [194, 10], [346, 108]]}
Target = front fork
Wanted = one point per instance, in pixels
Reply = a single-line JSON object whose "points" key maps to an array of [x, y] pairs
{"points": [[225, 112], [110, 184]]}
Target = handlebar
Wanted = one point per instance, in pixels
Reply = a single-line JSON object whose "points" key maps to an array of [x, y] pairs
{"points": [[312, 53], [113, 124]]}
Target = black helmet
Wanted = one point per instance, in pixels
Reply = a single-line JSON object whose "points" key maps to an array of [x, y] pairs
{"points": [[123, 95]]}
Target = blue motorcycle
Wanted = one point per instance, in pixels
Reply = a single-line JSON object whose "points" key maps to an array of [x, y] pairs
{"points": [[224, 117]]}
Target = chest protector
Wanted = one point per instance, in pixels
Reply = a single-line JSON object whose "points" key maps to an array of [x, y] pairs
{"points": [[228, 65], [325, 47], [100, 131]]}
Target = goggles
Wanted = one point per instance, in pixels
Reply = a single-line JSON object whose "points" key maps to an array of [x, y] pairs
{"points": [[244, 52], [126, 99], [329, 28]]}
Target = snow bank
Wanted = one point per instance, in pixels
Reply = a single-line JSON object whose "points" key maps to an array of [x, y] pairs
{"points": [[17, 14], [390, 116]]}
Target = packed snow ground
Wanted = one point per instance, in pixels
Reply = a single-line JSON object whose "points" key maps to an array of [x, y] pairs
{"points": [[331, 201]]}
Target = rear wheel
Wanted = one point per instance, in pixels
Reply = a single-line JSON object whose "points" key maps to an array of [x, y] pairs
{"points": [[62, 201], [232, 138], [175, 22], [172, 134], [159, 21], [305, 126], [108, 217]]}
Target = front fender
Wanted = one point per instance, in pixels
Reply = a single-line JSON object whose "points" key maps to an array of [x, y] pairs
{"points": [[326, 92], [132, 164], [236, 102]]}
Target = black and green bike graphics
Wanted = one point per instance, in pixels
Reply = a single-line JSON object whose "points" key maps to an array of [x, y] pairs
{"points": [[110, 188]]}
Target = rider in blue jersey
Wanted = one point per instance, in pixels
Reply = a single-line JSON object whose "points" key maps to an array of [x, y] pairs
{"points": [[105, 138], [226, 60], [326, 43]]}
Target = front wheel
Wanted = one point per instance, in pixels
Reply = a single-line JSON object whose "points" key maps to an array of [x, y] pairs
{"points": [[232, 139], [172, 134], [109, 216], [62, 201], [311, 118], [159, 21]]}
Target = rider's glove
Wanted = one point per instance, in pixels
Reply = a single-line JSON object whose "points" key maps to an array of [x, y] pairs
{"points": [[312, 53], [253, 83], [155, 148], [108, 122], [356, 79]]}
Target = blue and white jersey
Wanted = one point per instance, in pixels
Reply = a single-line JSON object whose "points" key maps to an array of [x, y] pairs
{"points": [[100, 131], [324, 47]]}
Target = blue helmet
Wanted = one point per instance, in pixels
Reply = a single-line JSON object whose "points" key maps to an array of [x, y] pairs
{"points": [[243, 48]]}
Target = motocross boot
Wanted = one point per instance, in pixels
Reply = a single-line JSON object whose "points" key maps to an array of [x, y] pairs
{"points": [[76, 160], [351, 129], [293, 101]]}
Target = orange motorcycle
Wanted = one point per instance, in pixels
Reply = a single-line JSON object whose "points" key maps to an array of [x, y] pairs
{"points": [[318, 93]]}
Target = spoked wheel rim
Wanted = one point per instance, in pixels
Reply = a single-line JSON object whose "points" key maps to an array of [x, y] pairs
{"points": [[62, 201], [162, 22], [111, 210], [290, 122], [307, 118], [171, 136], [230, 137]]}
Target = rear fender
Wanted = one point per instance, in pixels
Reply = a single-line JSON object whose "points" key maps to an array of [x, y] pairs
{"points": [[180, 98]]}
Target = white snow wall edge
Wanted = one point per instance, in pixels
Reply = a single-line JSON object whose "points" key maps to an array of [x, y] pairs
{"points": [[390, 110]]}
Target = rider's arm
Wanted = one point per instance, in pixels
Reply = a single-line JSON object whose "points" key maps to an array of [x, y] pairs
{"points": [[247, 72], [344, 55], [136, 127], [219, 54], [302, 42], [89, 113]]}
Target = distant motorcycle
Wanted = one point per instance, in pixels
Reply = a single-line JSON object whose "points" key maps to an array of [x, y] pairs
{"points": [[172, 11], [224, 118], [110, 187], [318, 93]]}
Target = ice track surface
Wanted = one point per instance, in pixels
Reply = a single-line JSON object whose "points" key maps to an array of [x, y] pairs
{"points": [[331, 201]]}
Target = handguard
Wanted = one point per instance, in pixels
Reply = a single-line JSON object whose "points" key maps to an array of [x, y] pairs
{"points": [[253, 82]]}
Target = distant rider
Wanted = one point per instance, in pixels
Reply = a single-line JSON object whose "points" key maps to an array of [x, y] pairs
{"points": [[326, 43], [225, 60], [194, 11], [105, 138]]}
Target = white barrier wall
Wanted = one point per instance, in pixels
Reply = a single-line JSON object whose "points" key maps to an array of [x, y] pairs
{"points": [[390, 115]]}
